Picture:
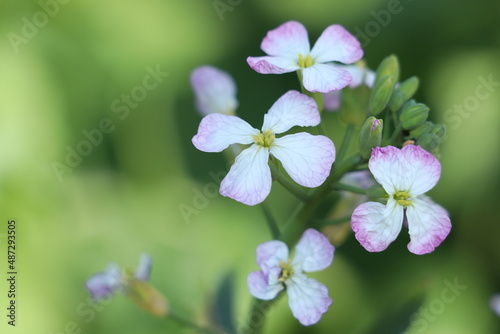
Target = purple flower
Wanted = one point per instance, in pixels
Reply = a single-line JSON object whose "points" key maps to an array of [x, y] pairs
{"points": [[215, 91], [305, 157], [288, 50], [308, 299], [405, 174]]}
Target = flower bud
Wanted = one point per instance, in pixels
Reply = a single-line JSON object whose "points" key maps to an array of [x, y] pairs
{"points": [[409, 87], [397, 100], [370, 136], [389, 66], [413, 115], [421, 129], [428, 141], [439, 130], [381, 94], [148, 298]]}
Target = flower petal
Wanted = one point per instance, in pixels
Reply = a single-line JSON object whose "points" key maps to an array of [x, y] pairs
{"points": [[376, 225], [331, 101], [269, 255], [288, 41], [215, 91], [313, 252], [272, 65], [324, 78], [423, 169], [495, 304], [337, 44], [291, 109], [260, 286], [143, 271], [428, 225], [217, 131], [306, 158], [249, 179], [105, 283], [386, 167], [308, 299]]}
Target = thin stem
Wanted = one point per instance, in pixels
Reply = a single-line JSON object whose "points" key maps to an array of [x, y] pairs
{"points": [[345, 142], [186, 322], [271, 222], [291, 187], [327, 222], [396, 133], [343, 186]]}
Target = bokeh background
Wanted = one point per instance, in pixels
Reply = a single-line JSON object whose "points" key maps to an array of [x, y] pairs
{"points": [[71, 71]]}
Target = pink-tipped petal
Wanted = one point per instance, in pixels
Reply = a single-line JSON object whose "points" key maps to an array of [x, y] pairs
{"points": [[313, 252], [269, 255], [217, 131], [263, 286], [249, 179], [331, 101], [387, 168], [291, 109], [288, 41], [308, 299], [324, 78], [376, 225], [272, 65], [214, 89], [306, 158], [337, 44], [423, 169], [428, 225]]}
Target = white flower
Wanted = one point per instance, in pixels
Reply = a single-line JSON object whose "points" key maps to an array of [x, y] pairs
{"points": [[305, 157], [405, 174], [308, 299]]}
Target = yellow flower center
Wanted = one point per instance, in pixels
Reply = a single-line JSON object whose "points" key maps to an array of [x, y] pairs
{"points": [[307, 62], [286, 270], [402, 197], [264, 139]]}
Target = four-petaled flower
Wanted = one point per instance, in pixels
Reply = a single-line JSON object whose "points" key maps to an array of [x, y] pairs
{"points": [[306, 158], [215, 91], [288, 50], [405, 174], [308, 299]]}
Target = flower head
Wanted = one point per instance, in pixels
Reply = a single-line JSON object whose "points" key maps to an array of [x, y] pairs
{"points": [[288, 50], [308, 299], [215, 91], [305, 157], [405, 174]]}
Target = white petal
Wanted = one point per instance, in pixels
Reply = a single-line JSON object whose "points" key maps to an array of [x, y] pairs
{"points": [[337, 44], [423, 169], [428, 224], [272, 65], [143, 271], [217, 131], [263, 286], [308, 299], [249, 179], [324, 78], [291, 109], [386, 167], [313, 252], [288, 40], [306, 158], [214, 89], [331, 101], [376, 225], [269, 255]]}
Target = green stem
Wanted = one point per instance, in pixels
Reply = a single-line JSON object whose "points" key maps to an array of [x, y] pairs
{"points": [[342, 186], [396, 133], [271, 222], [327, 222], [345, 142], [186, 322], [291, 187]]}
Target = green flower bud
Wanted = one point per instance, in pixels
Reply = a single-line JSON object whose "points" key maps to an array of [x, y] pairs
{"points": [[389, 66], [439, 130], [381, 94], [370, 136], [397, 100], [428, 141], [409, 87], [413, 115], [377, 194], [421, 129]]}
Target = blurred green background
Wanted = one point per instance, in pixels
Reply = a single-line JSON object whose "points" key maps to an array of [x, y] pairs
{"points": [[64, 76]]}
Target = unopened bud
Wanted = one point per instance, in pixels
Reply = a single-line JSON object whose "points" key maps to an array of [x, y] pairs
{"points": [[409, 87], [381, 94], [439, 130], [413, 115], [148, 298], [389, 66], [421, 129], [428, 141], [370, 136]]}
